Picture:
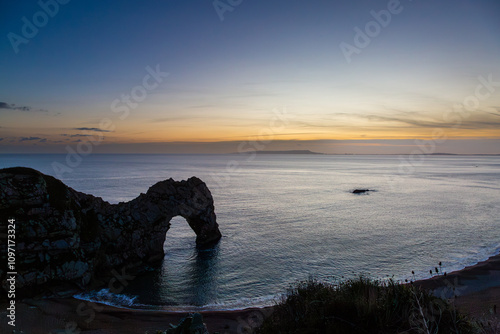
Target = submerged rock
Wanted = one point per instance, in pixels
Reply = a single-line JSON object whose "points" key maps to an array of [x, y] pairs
{"points": [[360, 191], [65, 238], [192, 324]]}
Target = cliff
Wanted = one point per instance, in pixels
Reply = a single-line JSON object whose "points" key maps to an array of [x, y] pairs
{"points": [[66, 239]]}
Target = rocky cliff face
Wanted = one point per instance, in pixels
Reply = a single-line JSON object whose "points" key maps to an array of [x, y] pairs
{"points": [[67, 238]]}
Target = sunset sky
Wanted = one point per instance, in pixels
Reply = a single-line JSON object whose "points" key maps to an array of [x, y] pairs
{"points": [[204, 76]]}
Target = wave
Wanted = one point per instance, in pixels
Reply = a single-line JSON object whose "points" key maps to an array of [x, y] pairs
{"points": [[455, 261], [231, 305], [474, 256], [458, 261], [105, 296]]}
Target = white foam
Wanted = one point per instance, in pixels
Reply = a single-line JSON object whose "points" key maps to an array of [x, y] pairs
{"points": [[459, 261], [232, 305], [105, 296]]}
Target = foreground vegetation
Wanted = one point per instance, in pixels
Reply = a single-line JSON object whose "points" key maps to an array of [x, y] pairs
{"points": [[365, 306]]}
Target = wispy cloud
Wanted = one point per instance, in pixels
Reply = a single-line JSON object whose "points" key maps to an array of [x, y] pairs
{"points": [[22, 139], [495, 114], [404, 119], [471, 123], [73, 136], [4, 105], [174, 119], [91, 129]]}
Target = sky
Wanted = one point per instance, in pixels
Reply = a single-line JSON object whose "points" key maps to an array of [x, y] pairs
{"points": [[224, 76]]}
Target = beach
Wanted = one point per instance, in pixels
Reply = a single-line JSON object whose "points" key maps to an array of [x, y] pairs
{"points": [[70, 315], [474, 290]]}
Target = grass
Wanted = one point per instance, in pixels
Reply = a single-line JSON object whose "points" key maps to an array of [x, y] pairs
{"points": [[364, 306]]}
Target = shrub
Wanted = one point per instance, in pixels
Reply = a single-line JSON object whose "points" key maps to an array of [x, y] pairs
{"points": [[363, 306]]}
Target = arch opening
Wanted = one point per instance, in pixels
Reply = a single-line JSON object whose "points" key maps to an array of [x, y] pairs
{"points": [[179, 236]]}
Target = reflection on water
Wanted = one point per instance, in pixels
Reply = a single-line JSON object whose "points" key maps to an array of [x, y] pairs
{"points": [[190, 277], [187, 276], [203, 273]]}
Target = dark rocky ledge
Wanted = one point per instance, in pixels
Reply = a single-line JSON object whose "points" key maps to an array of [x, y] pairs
{"points": [[67, 239], [361, 191]]}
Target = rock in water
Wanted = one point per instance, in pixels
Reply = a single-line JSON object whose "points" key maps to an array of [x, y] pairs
{"points": [[360, 191], [67, 239], [192, 324]]}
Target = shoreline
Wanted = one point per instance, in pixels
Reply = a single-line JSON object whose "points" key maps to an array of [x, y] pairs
{"points": [[474, 290], [70, 315], [179, 309], [435, 281]]}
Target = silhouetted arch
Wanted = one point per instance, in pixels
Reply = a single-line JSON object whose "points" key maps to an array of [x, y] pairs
{"points": [[78, 238]]}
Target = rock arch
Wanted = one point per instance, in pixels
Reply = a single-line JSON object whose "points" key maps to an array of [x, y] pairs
{"points": [[63, 235]]}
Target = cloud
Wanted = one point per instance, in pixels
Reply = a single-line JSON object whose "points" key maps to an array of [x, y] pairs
{"points": [[4, 105], [73, 136], [471, 123], [179, 118], [1, 139], [492, 113], [403, 119], [91, 129], [29, 139]]}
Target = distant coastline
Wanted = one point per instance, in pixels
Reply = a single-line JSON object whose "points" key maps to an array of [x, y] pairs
{"points": [[283, 152], [307, 152], [288, 152]]}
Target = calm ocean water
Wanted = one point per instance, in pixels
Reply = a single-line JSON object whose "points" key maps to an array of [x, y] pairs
{"points": [[287, 217]]}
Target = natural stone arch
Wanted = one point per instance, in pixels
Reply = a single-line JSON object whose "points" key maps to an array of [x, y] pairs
{"points": [[189, 199], [66, 236]]}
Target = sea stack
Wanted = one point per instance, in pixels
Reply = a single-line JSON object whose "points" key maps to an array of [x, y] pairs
{"points": [[66, 239], [360, 191]]}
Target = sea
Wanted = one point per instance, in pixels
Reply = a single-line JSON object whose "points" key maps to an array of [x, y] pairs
{"points": [[287, 218]]}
